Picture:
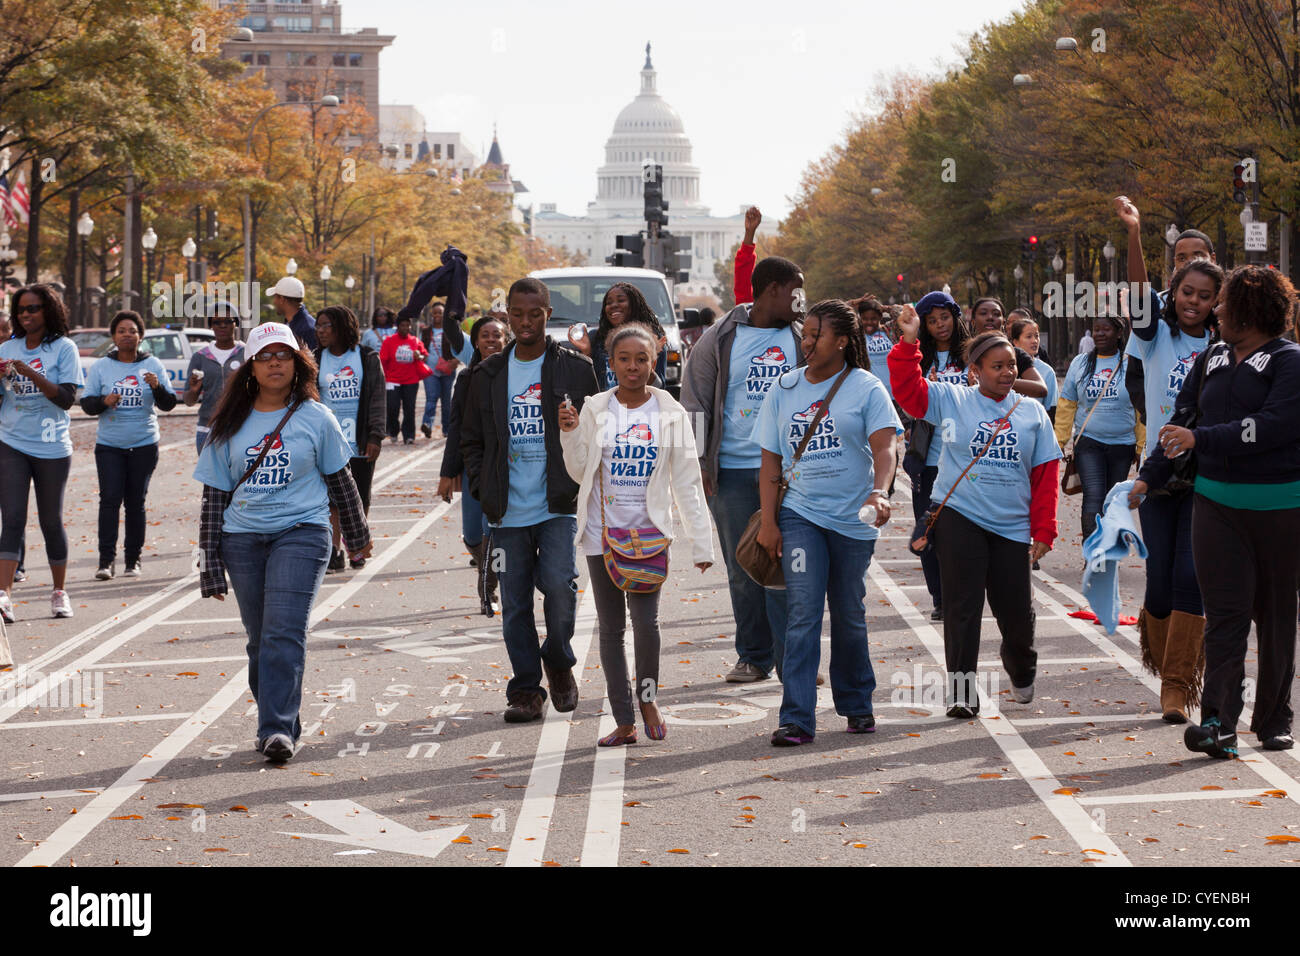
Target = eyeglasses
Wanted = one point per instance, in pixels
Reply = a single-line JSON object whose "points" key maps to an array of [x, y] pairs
{"points": [[30, 309], [285, 356]]}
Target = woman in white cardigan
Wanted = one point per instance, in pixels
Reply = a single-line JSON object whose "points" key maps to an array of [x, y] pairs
{"points": [[632, 452]]}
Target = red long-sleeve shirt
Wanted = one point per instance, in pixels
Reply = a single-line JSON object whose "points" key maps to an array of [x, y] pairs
{"points": [[912, 392], [404, 373], [742, 285]]}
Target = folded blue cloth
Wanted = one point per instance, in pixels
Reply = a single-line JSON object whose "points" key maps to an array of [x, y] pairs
{"points": [[1115, 536]]}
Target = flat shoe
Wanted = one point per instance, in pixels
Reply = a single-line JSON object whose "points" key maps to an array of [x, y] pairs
{"points": [[615, 740]]}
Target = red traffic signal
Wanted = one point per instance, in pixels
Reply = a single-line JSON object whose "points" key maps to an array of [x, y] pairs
{"points": [[900, 277], [1033, 240], [1239, 183]]}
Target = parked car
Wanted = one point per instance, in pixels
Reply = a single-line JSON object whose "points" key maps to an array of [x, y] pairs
{"points": [[173, 346], [87, 340], [577, 294]]}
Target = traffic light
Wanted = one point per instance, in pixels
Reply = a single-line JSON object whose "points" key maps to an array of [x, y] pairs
{"points": [[655, 206], [680, 260], [902, 285], [628, 252], [1029, 247], [1239, 183]]}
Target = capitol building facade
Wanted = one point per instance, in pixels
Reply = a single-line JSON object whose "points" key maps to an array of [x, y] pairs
{"points": [[648, 128]]}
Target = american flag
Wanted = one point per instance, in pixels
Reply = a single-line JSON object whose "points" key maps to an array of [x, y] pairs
{"points": [[6, 203], [15, 204]]}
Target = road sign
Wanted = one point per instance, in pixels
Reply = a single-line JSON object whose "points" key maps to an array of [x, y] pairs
{"points": [[369, 830], [1256, 237]]}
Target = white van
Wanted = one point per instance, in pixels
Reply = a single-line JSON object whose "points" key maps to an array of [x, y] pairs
{"points": [[577, 294]]}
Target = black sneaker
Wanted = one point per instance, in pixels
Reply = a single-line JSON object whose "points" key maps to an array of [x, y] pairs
{"points": [[427, 431], [1209, 739], [788, 735], [963, 712], [937, 613], [865, 724], [1278, 742], [336, 561], [358, 564], [277, 748]]}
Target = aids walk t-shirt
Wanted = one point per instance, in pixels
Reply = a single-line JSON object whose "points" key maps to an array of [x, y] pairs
{"points": [[835, 474], [30, 422], [947, 370], [527, 497], [288, 487], [878, 345], [629, 439], [1112, 423], [340, 391], [133, 421], [758, 358], [995, 493], [1166, 360]]}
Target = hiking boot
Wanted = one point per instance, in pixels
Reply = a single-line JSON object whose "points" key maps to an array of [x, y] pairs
{"points": [[564, 689], [745, 673], [524, 708]]}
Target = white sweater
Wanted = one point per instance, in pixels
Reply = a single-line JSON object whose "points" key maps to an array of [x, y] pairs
{"points": [[676, 476]]}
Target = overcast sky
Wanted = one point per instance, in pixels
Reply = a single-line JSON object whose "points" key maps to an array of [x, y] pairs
{"points": [[761, 95]]}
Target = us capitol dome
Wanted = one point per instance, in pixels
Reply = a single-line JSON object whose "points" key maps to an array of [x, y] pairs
{"points": [[648, 128]]}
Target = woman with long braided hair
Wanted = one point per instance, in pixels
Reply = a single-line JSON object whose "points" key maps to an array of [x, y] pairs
{"points": [[822, 532], [623, 302]]}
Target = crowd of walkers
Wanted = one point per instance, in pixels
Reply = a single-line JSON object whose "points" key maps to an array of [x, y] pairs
{"points": [[793, 426]]}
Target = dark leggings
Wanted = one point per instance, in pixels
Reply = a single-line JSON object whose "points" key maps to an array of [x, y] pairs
{"points": [[401, 399], [363, 473], [1100, 467], [929, 558], [1171, 570], [124, 475], [50, 476]]}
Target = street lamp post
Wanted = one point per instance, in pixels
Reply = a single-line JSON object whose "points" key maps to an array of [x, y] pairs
{"points": [[1019, 273], [148, 242], [348, 284], [330, 101], [7, 256], [970, 292], [1171, 237], [188, 249], [325, 285], [1108, 252], [85, 226]]}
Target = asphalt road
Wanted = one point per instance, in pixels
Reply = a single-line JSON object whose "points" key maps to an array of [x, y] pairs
{"points": [[126, 733]]}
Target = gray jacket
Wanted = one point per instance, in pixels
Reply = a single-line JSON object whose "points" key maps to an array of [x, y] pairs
{"points": [[704, 383], [215, 375]]}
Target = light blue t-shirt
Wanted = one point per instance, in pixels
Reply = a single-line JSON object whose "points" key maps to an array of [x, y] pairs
{"points": [[527, 498], [1166, 360], [133, 421], [835, 474], [951, 372], [288, 487], [878, 345], [30, 422], [995, 493], [374, 337], [340, 390], [1049, 379], [1112, 423], [758, 358]]}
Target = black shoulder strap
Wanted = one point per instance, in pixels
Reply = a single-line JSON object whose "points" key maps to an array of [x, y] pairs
{"points": [[266, 446]]}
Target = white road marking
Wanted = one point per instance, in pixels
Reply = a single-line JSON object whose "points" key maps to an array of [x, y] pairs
{"points": [[91, 721], [73, 831], [1072, 817], [1169, 797], [533, 825], [365, 828], [48, 795], [1082, 719], [605, 807], [116, 665]]}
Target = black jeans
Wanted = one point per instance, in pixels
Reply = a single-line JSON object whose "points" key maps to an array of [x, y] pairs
{"points": [[18, 473], [124, 475], [1248, 567], [929, 558], [1101, 467], [363, 473], [1171, 570], [402, 398], [975, 562]]}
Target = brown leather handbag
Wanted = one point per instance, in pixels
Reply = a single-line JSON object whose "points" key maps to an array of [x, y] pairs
{"points": [[752, 556]]}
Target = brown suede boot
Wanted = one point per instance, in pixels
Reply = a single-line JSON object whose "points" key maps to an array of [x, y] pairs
{"points": [[1184, 662], [1152, 632]]}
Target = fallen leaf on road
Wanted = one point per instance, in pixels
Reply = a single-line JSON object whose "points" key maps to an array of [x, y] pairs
{"points": [[679, 850], [462, 839], [1283, 838], [1067, 790], [133, 816], [1211, 787]]}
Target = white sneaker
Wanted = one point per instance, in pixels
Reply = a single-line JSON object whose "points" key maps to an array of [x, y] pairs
{"points": [[278, 748], [20, 576], [60, 606], [105, 572], [132, 570], [1022, 695], [6, 607]]}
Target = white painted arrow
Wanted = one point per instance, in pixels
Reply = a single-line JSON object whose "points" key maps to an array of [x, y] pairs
{"points": [[365, 828]]}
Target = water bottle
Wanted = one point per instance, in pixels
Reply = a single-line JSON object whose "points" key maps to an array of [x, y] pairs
{"points": [[867, 515]]}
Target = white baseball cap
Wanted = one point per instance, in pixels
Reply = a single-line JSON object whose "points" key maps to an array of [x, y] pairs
{"points": [[289, 287], [270, 333]]}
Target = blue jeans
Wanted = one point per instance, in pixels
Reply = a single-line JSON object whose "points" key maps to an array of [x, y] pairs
{"points": [[759, 612], [473, 526], [275, 577], [541, 557], [1101, 467], [1171, 567], [812, 579], [437, 387]]}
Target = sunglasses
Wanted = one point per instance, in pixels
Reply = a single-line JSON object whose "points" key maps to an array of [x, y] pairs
{"points": [[30, 309], [216, 322], [285, 356]]}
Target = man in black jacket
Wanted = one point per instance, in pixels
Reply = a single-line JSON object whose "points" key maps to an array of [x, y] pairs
{"points": [[510, 440]]}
